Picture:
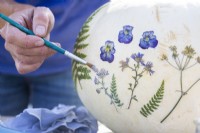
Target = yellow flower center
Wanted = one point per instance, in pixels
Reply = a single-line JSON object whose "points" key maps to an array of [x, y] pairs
{"points": [[147, 39], [126, 32], [107, 49]]}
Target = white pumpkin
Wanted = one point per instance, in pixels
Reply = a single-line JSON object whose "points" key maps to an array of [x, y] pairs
{"points": [[146, 77]]}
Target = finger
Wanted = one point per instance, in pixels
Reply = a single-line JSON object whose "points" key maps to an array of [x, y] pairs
{"points": [[30, 60], [38, 51], [43, 21], [51, 52], [13, 35], [17, 37], [21, 17], [26, 59], [47, 52], [23, 69]]}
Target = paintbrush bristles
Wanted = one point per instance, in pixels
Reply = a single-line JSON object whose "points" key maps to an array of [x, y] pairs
{"points": [[93, 67]]}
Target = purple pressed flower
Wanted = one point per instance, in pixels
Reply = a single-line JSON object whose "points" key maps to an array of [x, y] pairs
{"points": [[107, 51], [148, 40], [98, 91], [102, 73], [148, 67], [96, 81], [138, 57], [125, 36]]}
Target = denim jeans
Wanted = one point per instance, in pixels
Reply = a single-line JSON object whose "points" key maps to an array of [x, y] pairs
{"points": [[17, 92]]}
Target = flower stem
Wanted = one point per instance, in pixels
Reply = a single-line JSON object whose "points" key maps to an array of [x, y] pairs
{"points": [[191, 65], [130, 101], [172, 109], [181, 80], [182, 94], [186, 63], [192, 85], [132, 92], [135, 84], [79, 81], [177, 62], [172, 65]]}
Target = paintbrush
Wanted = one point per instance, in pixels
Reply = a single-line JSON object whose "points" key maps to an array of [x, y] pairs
{"points": [[46, 42]]}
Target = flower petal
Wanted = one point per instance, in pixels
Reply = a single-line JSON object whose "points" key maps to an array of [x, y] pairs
{"points": [[153, 43], [125, 36], [143, 44]]}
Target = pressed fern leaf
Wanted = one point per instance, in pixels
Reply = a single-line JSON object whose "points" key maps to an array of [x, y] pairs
{"points": [[82, 72], [114, 94], [81, 55], [82, 46], [153, 104], [81, 39]]}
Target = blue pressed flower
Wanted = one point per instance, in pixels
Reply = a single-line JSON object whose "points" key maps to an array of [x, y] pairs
{"points": [[96, 81], [148, 40], [148, 67], [98, 91], [138, 57], [125, 36], [107, 51], [102, 73]]}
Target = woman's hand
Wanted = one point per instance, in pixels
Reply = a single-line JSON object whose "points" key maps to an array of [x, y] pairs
{"points": [[29, 52]]}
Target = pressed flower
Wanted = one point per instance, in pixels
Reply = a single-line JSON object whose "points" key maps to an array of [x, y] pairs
{"points": [[148, 67], [189, 52], [174, 51], [96, 81], [164, 57], [124, 64], [138, 57], [125, 36], [148, 40], [102, 73], [98, 91], [107, 51]]}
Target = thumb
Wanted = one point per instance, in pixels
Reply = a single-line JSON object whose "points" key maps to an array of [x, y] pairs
{"points": [[43, 21]]}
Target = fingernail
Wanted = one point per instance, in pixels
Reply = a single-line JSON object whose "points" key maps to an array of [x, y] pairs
{"points": [[40, 30], [39, 43]]}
